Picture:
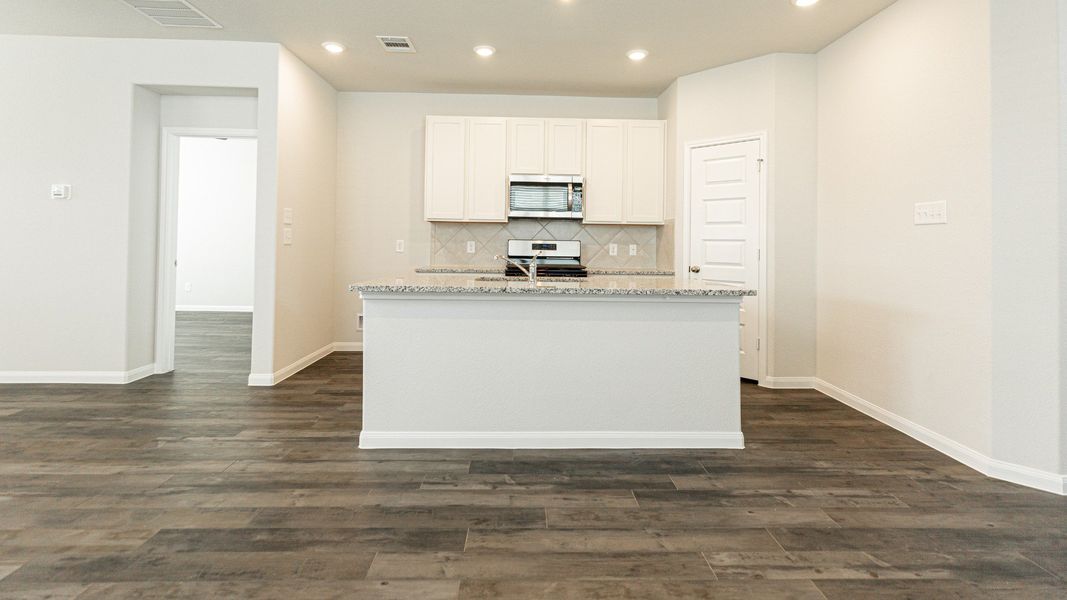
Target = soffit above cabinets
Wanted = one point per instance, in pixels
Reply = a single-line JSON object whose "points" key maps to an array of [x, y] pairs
{"points": [[553, 47]]}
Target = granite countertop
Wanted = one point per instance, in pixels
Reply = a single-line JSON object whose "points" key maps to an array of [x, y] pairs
{"points": [[495, 270], [601, 285]]}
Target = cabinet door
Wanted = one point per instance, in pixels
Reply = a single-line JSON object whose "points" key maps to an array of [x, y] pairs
{"points": [[527, 145], [645, 150], [605, 162], [487, 144], [566, 146], [445, 178]]}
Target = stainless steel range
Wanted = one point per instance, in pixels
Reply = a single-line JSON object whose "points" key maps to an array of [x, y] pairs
{"points": [[553, 258]]}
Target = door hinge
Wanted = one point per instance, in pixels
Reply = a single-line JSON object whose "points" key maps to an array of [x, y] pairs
{"points": [[759, 253], [757, 343], [759, 162]]}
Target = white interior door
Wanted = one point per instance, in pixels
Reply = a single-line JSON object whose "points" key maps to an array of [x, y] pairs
{"points": [[724, 230]]}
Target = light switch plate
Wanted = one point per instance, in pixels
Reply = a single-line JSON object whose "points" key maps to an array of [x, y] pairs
{"points": [[287, 216], [471, 247], [931, 213], [400, 246], [60, 191], [613, 249], [287, 236]]}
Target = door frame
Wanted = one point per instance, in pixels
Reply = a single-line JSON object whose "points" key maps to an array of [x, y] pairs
{"points": [[167, 234], [682, 266]]}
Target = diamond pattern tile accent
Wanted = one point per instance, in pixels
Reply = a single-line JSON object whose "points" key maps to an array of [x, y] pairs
{"points": [[449, 241]]}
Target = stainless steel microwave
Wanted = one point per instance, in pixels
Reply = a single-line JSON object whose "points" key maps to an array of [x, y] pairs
{"points": [[545, 197]]}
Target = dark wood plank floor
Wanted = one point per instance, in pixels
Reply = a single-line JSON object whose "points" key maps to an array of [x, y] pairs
{"points": [[192, 485]]}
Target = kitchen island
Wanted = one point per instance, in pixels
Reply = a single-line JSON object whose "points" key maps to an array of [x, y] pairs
{"points": [[470, 361]]}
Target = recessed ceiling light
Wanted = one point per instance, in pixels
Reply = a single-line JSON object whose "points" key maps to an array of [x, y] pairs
{"points": [[637, 54], [804, 3], [334, 47], [484, 50]]}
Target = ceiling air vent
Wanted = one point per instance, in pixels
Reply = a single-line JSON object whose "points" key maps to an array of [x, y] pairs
{"points": [[396, 43], [173, 13]]}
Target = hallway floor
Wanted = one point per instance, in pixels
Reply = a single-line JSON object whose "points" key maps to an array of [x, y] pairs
{"points": [[193, 485]]}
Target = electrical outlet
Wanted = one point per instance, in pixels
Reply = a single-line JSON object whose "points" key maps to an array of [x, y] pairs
{"points": [[287, 216], [287, 236], [931, 213], [188, 286], [400, 246], [471, 247], [633, 249], [359, 322], [613, 249]]}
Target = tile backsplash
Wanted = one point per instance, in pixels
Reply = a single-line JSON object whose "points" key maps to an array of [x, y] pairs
{"points": [[450, 241]]}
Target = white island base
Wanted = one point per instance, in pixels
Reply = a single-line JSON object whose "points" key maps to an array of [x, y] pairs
{"points": [[550, 371]]}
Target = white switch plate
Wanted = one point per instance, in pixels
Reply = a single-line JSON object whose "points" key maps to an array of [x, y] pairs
{"points": [[359, 322], [471, 247], [633, 249], [931, 213], [613, 249], [400, 246], [287, 236], [287, 216], [188, 286], [60, 191]]}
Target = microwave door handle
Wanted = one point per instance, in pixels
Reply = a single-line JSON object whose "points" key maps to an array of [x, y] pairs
{"points": [[570, 197]]}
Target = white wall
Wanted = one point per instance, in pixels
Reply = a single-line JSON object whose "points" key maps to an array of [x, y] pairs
{"points": [[774, 94], [85, 290], [380, 168], [904, 311], [216, 224], [1027, 235], [141, 230], [307, 180], [218, 112]]}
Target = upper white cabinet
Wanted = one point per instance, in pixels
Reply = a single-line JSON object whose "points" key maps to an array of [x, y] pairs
{"points": [[469, 159], [546, 146], [624, 172], [446, 174], [605, 168], [527, 146], [487, 185], [645, 166], [566, 146], [466, 169]]}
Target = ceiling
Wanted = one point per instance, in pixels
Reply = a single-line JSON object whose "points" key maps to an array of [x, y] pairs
{"points": [[567, 47]]}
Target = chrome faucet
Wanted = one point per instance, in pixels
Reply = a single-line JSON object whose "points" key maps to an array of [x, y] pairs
{"points": [[531, 272]]}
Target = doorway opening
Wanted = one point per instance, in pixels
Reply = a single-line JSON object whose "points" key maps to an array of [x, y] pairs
{"points": [[725, 232], [207, 252]]}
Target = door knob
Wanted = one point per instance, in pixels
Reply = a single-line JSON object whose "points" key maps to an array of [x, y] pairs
{"points": [[694, 269]]}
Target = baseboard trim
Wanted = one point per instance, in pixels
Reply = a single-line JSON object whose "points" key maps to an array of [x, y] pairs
{"points": [[788, 383], [348, 346], [209, 308], [998, 469], [85, 377], [269, 379], [536, 440]]}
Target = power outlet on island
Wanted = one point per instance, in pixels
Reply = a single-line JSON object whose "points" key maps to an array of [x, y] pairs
{"points": [[613, 249], [471, 247], [633, 249]]}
